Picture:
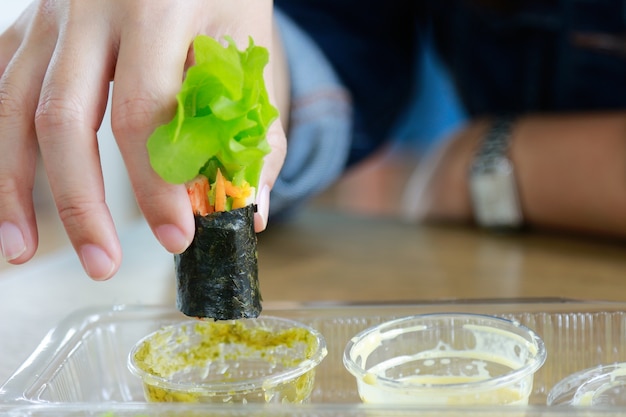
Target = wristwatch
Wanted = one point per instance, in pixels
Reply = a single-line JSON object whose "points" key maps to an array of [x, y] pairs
{"points": [[492, 183]]}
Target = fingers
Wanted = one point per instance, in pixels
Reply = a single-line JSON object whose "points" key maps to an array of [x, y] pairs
{"points": [[9, 42], [271, 168], [148, 76], [19, 92], [12, 37], [277, 76], [60, 80], [71, 106]]}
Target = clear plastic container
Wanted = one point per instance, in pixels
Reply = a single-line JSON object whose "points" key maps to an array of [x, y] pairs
{"points": [[80, 368], [602, 385], [445, 359], [267, 360]]}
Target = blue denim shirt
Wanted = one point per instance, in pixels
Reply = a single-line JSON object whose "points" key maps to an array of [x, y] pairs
{"points": [[534, 56]]}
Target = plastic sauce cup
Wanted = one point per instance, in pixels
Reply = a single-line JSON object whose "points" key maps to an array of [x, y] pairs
{"points": [[603, 385], [266, 359], [445, 359]]}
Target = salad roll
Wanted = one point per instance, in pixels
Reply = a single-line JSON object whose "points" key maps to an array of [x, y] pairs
{"points": [[215, 145], [217, 276]]}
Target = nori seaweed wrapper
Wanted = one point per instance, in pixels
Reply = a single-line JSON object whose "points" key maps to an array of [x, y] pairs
{"points": [[217, 276]]}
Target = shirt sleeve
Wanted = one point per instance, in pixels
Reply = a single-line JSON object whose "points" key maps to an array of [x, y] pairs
{"points": [[320, 125]]}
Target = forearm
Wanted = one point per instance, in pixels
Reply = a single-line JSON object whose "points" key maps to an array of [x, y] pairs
{"points": [[570, 172]]}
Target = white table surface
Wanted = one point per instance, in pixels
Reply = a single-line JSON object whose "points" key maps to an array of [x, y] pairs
{"points": [[35, 297]]}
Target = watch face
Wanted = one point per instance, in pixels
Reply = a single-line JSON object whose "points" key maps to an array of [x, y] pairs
{"points": [[494, 195]]}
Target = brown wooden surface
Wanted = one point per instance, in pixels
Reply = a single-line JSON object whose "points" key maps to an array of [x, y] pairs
{"points": [[333, 256]]}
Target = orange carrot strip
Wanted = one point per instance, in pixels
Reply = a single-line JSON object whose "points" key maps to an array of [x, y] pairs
{"points": [[242, 200], [220, 192], [232, 190], [198, 192]]}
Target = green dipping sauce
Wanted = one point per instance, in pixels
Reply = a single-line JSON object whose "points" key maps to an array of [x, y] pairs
{"points": [[228, 361]]}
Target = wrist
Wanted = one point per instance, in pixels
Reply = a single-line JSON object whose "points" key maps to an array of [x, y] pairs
{"points": [[439, 188], [492, 182]]}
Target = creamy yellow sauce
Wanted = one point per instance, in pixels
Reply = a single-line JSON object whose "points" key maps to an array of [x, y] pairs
{"points": [[498, 396], [502, 396], [444, 375], [444, 395]]}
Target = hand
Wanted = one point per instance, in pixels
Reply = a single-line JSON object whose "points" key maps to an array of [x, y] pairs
{"points": [[56, 64], [438, 189]]}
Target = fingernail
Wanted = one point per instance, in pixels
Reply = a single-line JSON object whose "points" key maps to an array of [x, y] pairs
{"points": [[172, 238], [263, 203], [11, 241], [96, 262]]}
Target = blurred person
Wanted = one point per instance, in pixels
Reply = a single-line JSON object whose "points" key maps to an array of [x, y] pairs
{"points": [[543, 87]]}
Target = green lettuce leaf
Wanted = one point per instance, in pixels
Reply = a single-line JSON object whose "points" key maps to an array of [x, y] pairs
{"points": [[222, 117]]}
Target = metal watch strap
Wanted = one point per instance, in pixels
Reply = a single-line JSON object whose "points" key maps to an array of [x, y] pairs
{"points": [[492, 183], [495, 145]]}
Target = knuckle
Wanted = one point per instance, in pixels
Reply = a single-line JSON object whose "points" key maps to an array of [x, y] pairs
{"points": [[153, 200], [11, 102], [57, 112], [134, 116], [11, 194], [8, 187], [73, 212], [145, 194]]}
